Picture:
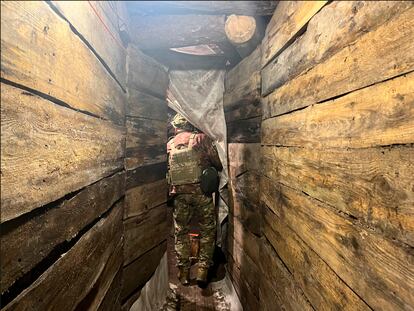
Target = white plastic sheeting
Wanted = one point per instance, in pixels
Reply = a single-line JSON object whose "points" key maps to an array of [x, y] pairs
{"points": [[198, 96]]}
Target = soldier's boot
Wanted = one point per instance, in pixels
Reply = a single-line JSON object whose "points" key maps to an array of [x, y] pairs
{"points": [[202, 275], [184, 275]]}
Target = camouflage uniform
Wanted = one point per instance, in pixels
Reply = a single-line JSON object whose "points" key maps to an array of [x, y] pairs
{"points": [[185, 208], [189, 199]]}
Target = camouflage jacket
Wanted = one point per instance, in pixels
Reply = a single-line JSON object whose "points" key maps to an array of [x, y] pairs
{"points": [[208, 157]]}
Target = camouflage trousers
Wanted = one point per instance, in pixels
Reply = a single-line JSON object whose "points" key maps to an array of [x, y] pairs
{"points": [[186, 206]]}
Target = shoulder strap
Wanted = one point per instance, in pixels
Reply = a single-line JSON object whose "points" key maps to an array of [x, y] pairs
{"points": [[190, 142]]}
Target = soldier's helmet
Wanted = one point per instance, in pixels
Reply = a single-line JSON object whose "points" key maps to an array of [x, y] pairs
{"points": [[179, 122]]}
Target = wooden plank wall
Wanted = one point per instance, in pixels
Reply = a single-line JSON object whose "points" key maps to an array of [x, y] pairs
{"points": [[62, 150], [145, 214], [243, 118], [337, 150]]}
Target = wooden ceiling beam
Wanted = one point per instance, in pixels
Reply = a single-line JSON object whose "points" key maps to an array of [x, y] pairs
{"points": [[167, 31], [202, 7]]}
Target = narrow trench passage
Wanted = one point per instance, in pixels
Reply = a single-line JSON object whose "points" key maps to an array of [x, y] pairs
{"points": [[313, 111], [189, 298]]}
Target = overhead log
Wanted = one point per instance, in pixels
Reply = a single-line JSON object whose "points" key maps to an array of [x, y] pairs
{"points": [[176, 30], [203, 7], [244, 32]]}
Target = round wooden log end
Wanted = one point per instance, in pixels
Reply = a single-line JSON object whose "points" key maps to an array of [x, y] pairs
{"points": [[240, 28]]}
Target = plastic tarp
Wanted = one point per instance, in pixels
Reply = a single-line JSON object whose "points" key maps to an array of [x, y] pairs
{"points": [[198, 96]]}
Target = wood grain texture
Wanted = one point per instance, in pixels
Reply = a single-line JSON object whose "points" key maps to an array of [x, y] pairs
{"points": [[244, 131], [242, 107], [146, 174], [41, 52], [374, 184], [243, 157], [249, 87], [324, 289], [376, 269], [248, 300], [203, 7], [137, 273], [54, 226], [112, 299], [96, 296], [146, 142], [375, 116], [277, 286], [248, 268], [146, 106], [105, 41], [140, 199], [142, 131], [48, 151], [378, 55], [287, 20], [143, 232], [145, 74], [245, 201], [336, 26], [67, 282], [247, 243], [176, 30]]}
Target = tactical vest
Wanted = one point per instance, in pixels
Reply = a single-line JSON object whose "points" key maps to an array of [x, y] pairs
{"points": [[184, 164]]}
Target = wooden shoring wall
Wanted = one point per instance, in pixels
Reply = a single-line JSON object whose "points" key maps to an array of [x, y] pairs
{"points": [[145, 214], [62, 152], [336, 185], [243, 119]]}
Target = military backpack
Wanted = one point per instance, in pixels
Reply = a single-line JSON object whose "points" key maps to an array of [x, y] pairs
{"points": [[184, 164]]}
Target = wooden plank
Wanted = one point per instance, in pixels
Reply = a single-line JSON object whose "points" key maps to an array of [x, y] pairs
{"points": [[137, 273], [277, 287], [145, 74], [146, 174], [374, 185], [247, 67], [248, 89], [90, 20], [376, 269], [146, 142], [324, 289], [146, 106], [67, 150], [376, 56], [145, 132], [245, 107], [96, 296], [248, 268], [112, 300], [203, 7], [245, 293], [242, 242], [143, 232], [182, 30], [336, 26], [245, 201], [54, 226], [243, 157], [145, 155], [140, 199], [244, 131], [287, 20], [376, 116], [38, 52], [62, 286]]}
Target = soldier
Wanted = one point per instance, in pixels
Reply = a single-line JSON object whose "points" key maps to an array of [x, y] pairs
{"points": [[190, 153]]}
